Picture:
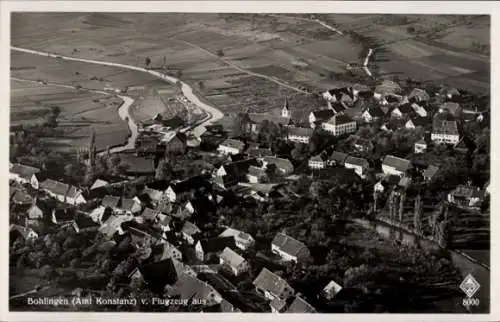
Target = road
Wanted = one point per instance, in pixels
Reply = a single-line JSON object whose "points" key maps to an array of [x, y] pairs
{"points": [[213, 113]]}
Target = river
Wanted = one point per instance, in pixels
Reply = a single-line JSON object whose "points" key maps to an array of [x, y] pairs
{"points": [[213, 114]]}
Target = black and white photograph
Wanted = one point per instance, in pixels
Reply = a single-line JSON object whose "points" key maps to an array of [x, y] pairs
{"points": [[253, 162]]}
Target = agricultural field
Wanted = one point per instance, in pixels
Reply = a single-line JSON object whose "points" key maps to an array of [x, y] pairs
{"points": [[80, 110], [242, 62]]}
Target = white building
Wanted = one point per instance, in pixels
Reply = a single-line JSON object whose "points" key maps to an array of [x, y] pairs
{"points": [[299, 134], [359, 165], [339, 124], [445, 132], [243, 240], [272, 286], [392, 165], [231, 146], [290, 249], [236, 263], [317, 162]]}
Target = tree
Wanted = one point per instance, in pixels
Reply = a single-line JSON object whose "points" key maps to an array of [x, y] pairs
{"points": [[220, 53], [178, 74], [201, 85], [300, 150], [147, 61], [163, 171]]}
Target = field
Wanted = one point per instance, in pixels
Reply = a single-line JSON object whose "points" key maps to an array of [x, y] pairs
{"points": [[30, 101], [79, 110], [250, 62]]}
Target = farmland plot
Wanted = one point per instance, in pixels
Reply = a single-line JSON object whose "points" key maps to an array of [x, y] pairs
{"points": [[79, 110]]}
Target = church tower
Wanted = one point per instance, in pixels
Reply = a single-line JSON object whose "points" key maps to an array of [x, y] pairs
{"points": [[285, 111]]}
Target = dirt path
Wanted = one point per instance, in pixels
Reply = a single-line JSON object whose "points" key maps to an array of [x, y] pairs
{"points": [[213, 113], [243, 70]]}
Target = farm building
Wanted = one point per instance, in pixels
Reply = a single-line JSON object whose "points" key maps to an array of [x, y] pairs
{"points": [[231, 146], [339, 125], [205, 247], [444, 131], [243, 240], [235, 262], [230, 174], [289, 249], [299, 134], [284, 166], [466, 196], [177, 144], [336, 158], [63, 192], [320, 116], [418, 95], [299, 305], [24, 174], [272, 286], [359, 165], [392, 165]]}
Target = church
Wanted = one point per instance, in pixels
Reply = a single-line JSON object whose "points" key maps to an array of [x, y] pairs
{"points": [[252, 122]]}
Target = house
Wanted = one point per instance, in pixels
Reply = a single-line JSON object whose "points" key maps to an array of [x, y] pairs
{"points": [[339, 124], [373, 113], [230, 174], [256, 174], [418, 122], [337, 158], [444, 131], [148, 215], [360, 144], [129, 206], [320, 116], [299, 305], [392, 165], [330, 290], [198, 291], [100, 214], [164, 221], [63, 216], [278, 305], [27, 234], [154, 195], [40, 211], [24, 174], [284, 166], [272, 286], [21, 198], [452, 108], [98, 189], [165, 250], [418, 95], [299, 134], [259, 153], [403, 110], [206, 247], [338, 94], [232, 260], [419, 110], [189, 232], [178, 190], [340, 107], [290, 249], [243, 240], [420, 146], [177, 144], [113, 224], [84, 224], [111, 202], [63, 192], [231, 146], [430, 172], [317, 162], [137, 166], [156, 275], [359, 165], [182, 211], [466, 196]]}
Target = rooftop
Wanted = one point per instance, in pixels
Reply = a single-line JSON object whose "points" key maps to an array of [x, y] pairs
{"points": [[399, 164], [289, 245], [235, 144]]}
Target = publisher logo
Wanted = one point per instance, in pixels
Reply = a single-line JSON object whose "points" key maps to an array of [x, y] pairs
{"points": [[470, 287]]}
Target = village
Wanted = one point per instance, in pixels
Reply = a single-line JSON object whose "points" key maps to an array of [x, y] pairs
{"points": [[202, 218]]}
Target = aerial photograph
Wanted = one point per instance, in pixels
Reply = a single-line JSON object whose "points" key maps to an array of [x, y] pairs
{"points": [[249, 163]]}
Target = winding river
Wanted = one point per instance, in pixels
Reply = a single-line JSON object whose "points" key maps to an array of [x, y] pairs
{"points": [[124, 111]]}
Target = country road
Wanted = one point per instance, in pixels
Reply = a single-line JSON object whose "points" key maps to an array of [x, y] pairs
{"points": [[213, 113]]}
